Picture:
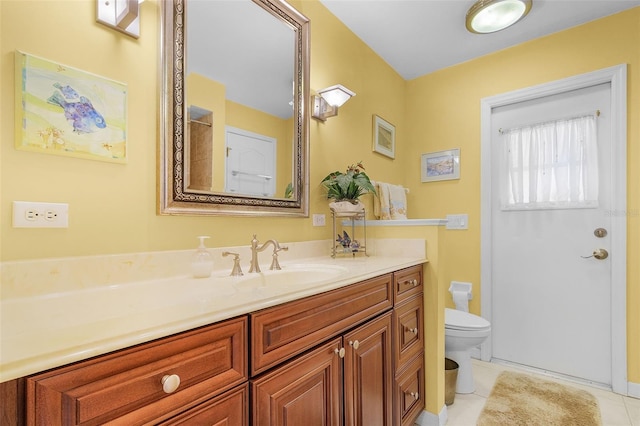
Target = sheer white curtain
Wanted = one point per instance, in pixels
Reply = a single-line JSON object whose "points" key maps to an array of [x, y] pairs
{"points": [[551, 165]]}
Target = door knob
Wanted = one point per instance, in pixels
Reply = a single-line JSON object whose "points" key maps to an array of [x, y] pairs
{"points": [[599, 254]]}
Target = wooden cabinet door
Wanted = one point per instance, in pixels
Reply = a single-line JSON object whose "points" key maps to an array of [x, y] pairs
{"points": [[369, 374], [305, 391]]}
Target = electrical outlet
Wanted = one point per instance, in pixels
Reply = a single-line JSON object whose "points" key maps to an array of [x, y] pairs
{"points": [[28, 214], [318, 220]]}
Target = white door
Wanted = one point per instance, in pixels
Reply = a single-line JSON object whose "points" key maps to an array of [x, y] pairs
{"points": [[250, 163], [551, 307]]}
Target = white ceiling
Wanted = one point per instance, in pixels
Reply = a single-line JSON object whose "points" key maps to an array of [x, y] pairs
{"points": [[417, 37]]}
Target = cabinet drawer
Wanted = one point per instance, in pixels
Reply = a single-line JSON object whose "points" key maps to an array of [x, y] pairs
{"points": [[407, 282], [286, 330], [409, 393], [125, 387], [230, 409], [408, 319]]}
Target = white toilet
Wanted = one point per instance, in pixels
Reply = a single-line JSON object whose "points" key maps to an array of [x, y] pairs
{"points": [[463, 331]]}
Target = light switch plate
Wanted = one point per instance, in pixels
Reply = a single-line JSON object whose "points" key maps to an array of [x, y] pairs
{"points": [[457, 221], [318, 220]]}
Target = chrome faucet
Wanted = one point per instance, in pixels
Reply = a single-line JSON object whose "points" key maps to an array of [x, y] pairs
{"points": [[255, 249]]}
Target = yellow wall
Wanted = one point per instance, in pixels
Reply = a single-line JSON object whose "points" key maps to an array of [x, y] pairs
{"points": [[445, 106], [112, 206]]}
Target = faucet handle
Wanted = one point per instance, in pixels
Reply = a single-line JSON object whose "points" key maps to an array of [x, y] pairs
{"points": [[237, 269], [275, 264]]}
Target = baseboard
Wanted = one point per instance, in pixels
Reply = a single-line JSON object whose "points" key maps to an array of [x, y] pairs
{"points": [[633, 389], [427, 418]]}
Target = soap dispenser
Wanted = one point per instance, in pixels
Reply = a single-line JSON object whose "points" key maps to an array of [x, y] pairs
{"points": [[202, 262]]}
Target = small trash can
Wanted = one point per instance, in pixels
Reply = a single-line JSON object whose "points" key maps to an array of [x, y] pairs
{"points": [[450, 378]]}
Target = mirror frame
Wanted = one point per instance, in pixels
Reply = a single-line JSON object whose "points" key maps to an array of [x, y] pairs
{"points": [[173, 198]]}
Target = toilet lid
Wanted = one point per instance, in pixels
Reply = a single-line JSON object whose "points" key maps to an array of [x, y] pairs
{"points": [[459, 320]]}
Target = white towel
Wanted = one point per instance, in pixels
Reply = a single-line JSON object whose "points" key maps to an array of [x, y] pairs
{"points": [[381, 207], [392, 202]]}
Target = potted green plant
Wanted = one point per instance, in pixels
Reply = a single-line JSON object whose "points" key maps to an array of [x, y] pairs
{"points": [[346, 188]]}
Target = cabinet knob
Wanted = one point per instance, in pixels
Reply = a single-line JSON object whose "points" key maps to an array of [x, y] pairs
{"points": [[170, 383], [415, 395], [355, 344], [412, 330], [412, 282], [340, 352]]}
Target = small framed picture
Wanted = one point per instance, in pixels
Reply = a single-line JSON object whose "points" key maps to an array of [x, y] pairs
{"points": [[441, 165], [384, 137]]}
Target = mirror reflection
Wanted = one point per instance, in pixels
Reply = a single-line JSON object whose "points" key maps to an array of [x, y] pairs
{"points": [[240, 90], [235, 125]]}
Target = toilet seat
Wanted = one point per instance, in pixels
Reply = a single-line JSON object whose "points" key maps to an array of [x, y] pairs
{"points": [[464, 321]]}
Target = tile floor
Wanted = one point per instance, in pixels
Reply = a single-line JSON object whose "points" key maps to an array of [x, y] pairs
{"points": [[616, 410]]}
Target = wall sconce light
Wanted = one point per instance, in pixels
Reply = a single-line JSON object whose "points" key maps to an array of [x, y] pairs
{"points": [[489, 16], [121, 15], [329, 100]]}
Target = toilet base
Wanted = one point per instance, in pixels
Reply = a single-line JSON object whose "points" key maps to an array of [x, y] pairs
{"points": [[464, 383]]}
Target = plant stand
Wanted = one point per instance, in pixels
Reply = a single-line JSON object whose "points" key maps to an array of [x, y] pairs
{"points": [[356, 246]]}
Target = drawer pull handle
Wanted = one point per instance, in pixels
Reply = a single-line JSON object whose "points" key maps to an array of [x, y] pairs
{"points": [[412, 282], [340, 352], [355, 344], [413, 330], [170, 383]]}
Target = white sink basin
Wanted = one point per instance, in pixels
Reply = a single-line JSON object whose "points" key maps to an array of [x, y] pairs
{"points": [[290, 276]]}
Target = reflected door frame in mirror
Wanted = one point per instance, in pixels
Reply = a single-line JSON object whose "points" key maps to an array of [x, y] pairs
{"points": [[173, 197]]}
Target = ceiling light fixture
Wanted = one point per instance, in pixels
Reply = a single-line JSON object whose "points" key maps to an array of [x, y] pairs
{"points": [[489, 16], [326, 105]]}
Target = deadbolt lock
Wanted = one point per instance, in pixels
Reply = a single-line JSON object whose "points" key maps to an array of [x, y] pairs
{"points": [[600, 232]]}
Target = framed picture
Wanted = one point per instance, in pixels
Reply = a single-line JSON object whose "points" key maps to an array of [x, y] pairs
{"points": [[66, 111], [441, 165], [384, 137]]}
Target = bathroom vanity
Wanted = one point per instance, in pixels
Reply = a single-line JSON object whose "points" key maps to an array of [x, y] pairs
{"points": [[347, 354]]}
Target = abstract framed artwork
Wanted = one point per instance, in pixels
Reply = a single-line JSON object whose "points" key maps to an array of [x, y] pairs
{"points": [[441, 165], [66, 111], [384, 137]]}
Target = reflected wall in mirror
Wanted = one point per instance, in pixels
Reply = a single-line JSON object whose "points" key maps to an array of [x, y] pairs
{"points": [[234, 138]]}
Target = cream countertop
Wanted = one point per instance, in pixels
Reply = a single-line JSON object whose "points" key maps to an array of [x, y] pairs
{"points": [[44, 329]]}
